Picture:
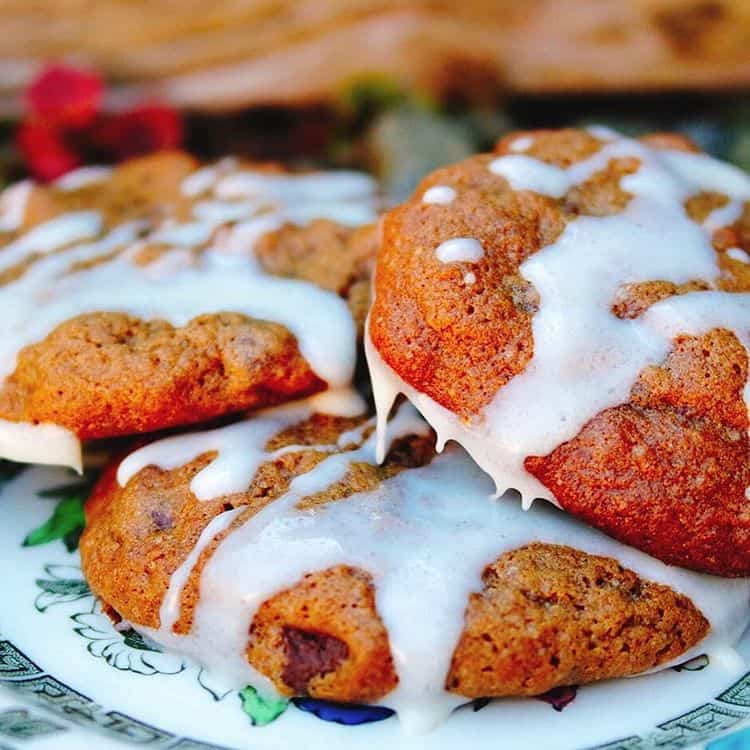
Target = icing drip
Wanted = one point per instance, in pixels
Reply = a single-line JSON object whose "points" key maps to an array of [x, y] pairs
{"points": [[341, 402], [585, 358], [459, 249], [234, 211], [424, 535], [442, 194], [40, 443]]}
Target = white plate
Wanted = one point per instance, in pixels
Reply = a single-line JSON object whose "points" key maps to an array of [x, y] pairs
{"points": [[66, 674]]}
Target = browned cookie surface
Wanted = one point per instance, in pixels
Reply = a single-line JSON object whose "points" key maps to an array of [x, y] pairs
{"points": [[107, 374], [665, 472], [546, 615], [551, 615]]}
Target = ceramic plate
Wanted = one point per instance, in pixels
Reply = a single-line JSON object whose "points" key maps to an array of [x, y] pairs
{"points": [[69, 677]]}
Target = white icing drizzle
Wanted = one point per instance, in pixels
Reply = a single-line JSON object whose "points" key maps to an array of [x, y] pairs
{"points": [[52, 235], [441, 194], [424, 535], [13, 202], [526, 173], [203, 179], [724, 216], [83, 177], [603, 133], [737, 253], [240, 447], [181, 285], [347, 197], [523, 143], [460, 249], [585, 358]]}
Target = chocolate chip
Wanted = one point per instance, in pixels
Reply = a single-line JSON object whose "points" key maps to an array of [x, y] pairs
{"points": [[308, 654], [162, 519]]}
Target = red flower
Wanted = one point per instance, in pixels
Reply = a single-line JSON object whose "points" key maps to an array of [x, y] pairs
{"points": [[64, 127], [147, 128], [65, 97], [45, 151]]}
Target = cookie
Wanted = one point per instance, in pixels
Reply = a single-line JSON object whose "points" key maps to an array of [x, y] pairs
{"points": [[277, 552], [573, 309], [159, 294], [198, 57]]}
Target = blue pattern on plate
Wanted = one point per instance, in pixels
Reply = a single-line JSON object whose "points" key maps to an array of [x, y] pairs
{"points": [[342, 713]]}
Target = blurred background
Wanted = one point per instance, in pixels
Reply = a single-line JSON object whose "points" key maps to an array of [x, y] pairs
{"points": [[396, 87]]}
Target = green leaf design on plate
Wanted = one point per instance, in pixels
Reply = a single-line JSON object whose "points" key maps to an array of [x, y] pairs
{"points": [[66, 522], [133, 639], [122, 648], [216, 689], [261, 710], [65, 584]]}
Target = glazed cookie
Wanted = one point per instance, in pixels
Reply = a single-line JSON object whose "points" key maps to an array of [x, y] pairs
{"points": [[160, 294], [574, 310], [276, 552]]}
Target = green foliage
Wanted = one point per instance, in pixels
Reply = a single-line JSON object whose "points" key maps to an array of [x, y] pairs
{"points": [[739, 151], [66, 522], [367, 95], [261, 710], [407, 142]]}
